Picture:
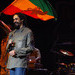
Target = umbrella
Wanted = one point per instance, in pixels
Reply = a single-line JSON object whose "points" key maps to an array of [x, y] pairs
{"points": [[38, 9]]}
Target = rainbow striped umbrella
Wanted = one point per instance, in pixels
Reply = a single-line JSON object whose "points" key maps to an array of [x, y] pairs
{"points": [[38, 9]]}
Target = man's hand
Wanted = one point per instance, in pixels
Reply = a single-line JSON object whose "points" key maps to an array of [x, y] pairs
{"points": [[10, 41], [12, 53]]}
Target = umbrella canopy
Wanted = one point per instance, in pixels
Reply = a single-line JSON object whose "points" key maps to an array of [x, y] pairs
{"points": [[38, 9]]}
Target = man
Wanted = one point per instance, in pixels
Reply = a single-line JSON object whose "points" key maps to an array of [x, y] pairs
{"points": [[22, 38]]}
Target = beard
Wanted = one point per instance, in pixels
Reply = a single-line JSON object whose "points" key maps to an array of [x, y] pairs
{"points": [[16, 25]]}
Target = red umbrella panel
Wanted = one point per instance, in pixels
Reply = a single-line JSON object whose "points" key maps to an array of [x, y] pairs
{"points": [[38, 9]]}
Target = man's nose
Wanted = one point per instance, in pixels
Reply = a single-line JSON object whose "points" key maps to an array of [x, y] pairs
{"points": [[14, 21]]}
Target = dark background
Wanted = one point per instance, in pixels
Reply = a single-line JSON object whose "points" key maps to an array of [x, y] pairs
{"points": [[50, 35]]}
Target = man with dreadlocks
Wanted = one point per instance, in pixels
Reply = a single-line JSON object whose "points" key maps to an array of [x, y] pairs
{"points": [[22, 37]]}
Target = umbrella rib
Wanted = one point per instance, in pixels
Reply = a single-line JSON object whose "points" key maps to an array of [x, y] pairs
{"points": [[52, 9], [42, 4]]}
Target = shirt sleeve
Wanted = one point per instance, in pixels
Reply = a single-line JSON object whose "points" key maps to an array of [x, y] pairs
{"points": [[9, 37]]}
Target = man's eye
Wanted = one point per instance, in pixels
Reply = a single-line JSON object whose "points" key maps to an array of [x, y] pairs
{"points": [[15, 19]]}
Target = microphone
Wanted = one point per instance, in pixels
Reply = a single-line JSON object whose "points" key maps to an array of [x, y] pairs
{"points": [[11, 46]]}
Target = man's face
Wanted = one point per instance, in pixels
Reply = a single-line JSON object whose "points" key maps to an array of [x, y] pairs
{"points": [[16, 21]]}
